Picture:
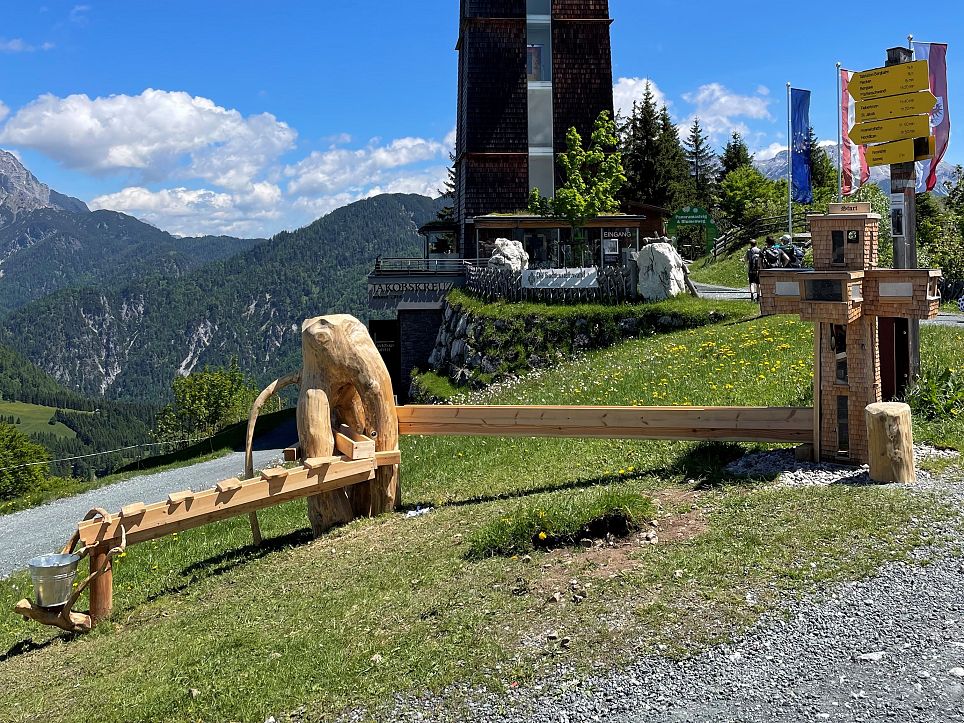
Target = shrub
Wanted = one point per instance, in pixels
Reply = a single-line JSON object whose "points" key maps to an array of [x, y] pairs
{"points": [[938, 393], [17, 449], [563, 521]]}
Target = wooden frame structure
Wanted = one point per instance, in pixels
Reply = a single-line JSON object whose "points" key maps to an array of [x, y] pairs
{"points": [[347, 455]]}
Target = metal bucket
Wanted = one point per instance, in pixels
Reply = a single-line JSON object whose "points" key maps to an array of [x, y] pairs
{"points": [[53, 578]]}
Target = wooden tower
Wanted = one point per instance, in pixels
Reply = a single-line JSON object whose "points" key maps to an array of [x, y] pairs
{"points": [[844, 295]]}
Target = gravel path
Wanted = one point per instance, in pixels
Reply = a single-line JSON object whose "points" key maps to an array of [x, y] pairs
{"points": [[889, 648], [45, 529], [728, 293]]}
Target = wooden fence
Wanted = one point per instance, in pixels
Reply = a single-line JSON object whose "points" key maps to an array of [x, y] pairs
{"points": [[616, 286]]}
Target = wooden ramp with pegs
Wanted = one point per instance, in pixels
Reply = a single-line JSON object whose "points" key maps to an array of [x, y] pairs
{"points": [[233, 497]]}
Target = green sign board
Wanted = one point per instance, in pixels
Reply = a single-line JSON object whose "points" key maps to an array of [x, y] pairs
{"points": [[695, 216]]}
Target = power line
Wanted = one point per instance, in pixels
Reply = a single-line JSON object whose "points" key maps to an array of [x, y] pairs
{"points": [[110, 451]]}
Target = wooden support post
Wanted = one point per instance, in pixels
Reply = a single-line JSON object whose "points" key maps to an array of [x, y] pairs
{"points": [[102, 587], [891, 438]]}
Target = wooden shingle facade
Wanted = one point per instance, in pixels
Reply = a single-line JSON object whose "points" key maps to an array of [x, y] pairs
{"points": [[494, 133]]}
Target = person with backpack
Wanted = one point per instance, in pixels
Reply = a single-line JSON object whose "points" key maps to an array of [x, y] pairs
{"points": [[795, 254], [754, 262], [773, 256]]}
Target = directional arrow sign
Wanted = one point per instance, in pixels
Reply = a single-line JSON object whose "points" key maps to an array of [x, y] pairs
{"points": [[895, 106], [892, 80], [895, 129], [887, 154]]}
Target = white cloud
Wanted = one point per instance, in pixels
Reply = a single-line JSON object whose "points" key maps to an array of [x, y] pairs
{"points": [[78, 14], [19, 45], [195, 212], [628, 90], [157, 134], [719, 110], [771, 151], [338, 170], [762, 90], [4, 110]]}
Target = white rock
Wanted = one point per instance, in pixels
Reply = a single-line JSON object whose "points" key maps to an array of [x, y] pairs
{"points": [[509, 255], [661, 272], [957, 672], [872, 657]]}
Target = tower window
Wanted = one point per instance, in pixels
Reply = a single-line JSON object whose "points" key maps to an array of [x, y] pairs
{"points": [[838, 247], [843, 426], [538, 7], [539, 52], [838, 338]]}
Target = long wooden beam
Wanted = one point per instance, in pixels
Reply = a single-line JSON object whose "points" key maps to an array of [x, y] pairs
{"points": [[732, 424], [231, 498]]}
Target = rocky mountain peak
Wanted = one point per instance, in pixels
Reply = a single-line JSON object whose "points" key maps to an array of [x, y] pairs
{"points": [[21, 192]]}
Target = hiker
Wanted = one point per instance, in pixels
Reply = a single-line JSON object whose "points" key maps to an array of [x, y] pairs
{"points": [[754, 262], [773, 256], [795, 254]]}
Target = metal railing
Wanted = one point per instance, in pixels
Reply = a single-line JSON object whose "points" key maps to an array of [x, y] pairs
{"points": [[424, 266], [615, 286]]}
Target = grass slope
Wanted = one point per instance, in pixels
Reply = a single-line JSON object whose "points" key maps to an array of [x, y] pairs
{"points": [[395, 605], [34, 419], [726, 271]]}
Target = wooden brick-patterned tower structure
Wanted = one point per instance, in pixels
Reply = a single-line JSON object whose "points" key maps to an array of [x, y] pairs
{"points": [[528, 71], [844, 295]]}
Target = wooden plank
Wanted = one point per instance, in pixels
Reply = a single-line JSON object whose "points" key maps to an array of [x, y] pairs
{"points": [[228, 485], [386, 459], [176, 498], [274, 473], [211, 505], [314, 463], [748, 424], [352, 444], [133, 510]]}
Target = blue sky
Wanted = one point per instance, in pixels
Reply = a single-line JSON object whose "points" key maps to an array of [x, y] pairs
{"points": [[248, 117]]}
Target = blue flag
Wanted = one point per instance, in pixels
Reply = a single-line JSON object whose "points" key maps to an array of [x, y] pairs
{"points": [[800, 145]]}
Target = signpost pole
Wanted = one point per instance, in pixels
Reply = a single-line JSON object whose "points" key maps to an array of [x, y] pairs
{"points": [[839, 138], [903, 187], [789, 164]]}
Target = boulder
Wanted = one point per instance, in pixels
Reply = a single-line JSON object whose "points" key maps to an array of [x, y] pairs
{"points": [[509, 256], [662, 274]]}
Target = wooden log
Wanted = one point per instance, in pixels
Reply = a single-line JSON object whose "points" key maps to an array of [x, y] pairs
{"points": [[101, 588], [133, 510], [317, 440], [891, 437], [74, 622], [341, 362]]}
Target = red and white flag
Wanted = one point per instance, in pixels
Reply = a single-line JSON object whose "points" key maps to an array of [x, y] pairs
{"points": [[853, 158], [936, 56]]}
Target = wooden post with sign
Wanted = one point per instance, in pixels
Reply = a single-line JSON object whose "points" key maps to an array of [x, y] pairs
{"points": [[903, 189]]}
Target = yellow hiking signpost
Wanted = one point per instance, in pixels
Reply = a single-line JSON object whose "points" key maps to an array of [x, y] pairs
{"points": [[906, 151], [892, 129], [892, 80], [895, 106]]}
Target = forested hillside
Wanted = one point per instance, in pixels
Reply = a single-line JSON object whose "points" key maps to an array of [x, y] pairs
{"points": [[46, 250], [127, 340], [97, 425]]}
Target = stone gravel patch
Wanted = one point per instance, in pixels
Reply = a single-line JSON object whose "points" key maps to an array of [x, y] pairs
{"points": [[888, 648]]}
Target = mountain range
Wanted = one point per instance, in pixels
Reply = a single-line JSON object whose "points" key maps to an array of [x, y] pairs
{"points": [[776, 169], [111, 307]]}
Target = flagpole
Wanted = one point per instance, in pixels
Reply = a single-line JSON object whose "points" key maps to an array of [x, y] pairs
{"points": [[789, 164], [839, 139], [910, 42]]}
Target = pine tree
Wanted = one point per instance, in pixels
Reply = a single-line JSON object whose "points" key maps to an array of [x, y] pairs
{"points": [[675, 186], [735, 155], [447, 193], [639, 144], [703, 166], [822, 172]]}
